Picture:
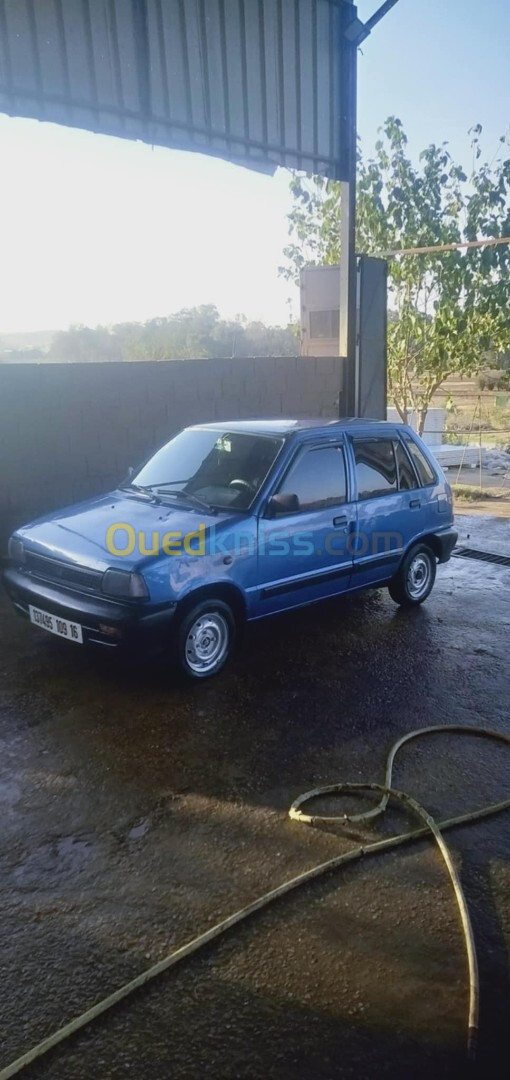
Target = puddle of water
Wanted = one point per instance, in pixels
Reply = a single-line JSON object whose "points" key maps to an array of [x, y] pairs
{"points": [[139, 830], [71, 849], [9, 793]]}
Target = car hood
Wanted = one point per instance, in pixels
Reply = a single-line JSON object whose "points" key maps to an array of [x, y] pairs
{"points": [[78, 534]]}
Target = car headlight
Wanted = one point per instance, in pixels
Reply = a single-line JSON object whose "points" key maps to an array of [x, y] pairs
{"points": [[123, 583], [16, 550]]}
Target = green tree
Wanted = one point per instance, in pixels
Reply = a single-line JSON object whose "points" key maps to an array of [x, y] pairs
{"points": [[82, 343], [192, 333], [446, 309]]}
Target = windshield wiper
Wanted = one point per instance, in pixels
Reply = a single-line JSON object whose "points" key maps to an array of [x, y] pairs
{"points": [[148, 489], [137, 488], [189, 495]]}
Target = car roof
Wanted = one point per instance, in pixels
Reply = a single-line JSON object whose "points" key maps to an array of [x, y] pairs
{"points": [[287, 427]]}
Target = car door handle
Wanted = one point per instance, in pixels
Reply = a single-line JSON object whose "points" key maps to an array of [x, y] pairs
{"points": [[415, 504], [340, 521]]}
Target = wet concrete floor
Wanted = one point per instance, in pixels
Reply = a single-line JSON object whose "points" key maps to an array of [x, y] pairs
{"points": [[136, 813]]}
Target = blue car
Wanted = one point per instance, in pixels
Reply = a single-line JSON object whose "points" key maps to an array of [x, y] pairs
{"points": [[231, 522]]}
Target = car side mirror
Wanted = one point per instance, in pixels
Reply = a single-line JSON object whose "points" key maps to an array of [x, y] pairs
{"points": [[131, 471], [282, 504]]}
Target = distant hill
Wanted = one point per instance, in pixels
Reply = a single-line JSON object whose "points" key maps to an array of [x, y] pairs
{"points": [[33, 339]]}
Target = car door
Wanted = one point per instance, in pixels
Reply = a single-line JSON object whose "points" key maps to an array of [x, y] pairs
{"points": [[304, 554], [388, 503], [430, 492]]}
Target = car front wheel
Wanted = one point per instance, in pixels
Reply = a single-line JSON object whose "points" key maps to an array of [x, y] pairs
{"points": [[415, 577], [205, 639]]}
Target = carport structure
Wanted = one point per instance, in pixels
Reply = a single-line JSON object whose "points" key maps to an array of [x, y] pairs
{"points": [[259, 82]]}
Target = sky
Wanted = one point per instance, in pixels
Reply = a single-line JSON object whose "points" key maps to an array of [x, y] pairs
{"points": [[101, 230]]}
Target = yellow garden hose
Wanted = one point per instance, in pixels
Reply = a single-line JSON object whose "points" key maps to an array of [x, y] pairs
{"points": [[430, 826]]}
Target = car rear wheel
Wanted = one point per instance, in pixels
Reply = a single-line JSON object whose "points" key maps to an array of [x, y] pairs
{"points": [[415, 578], [205, 639]]}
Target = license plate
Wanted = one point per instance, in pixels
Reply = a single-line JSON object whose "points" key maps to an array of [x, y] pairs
{"points": [[55, 625]]}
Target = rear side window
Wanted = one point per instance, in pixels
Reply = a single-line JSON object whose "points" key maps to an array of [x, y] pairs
{"points": [[406, 474], [318, 478], [376, 467], [423, 468]]}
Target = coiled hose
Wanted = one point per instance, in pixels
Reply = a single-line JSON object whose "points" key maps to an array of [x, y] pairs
{"points": [[386, 792]]}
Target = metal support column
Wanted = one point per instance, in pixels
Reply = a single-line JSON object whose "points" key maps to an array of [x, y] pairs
{"points": [[348, 275]]}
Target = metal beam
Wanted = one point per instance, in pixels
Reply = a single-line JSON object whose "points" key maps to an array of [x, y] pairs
{"points": [[379, 14], [353, 32], [357, 32], [348, 274]]}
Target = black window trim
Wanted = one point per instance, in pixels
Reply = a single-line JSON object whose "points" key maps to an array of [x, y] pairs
{"points": [[305, 448], [406, 436], [374, 438]]}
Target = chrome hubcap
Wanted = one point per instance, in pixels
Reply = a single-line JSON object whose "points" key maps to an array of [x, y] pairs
{"points": [[418, 576], [207, 642]]}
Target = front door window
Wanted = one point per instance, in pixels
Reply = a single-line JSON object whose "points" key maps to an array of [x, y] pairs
{"points": [[304, 552], [317, 478]]}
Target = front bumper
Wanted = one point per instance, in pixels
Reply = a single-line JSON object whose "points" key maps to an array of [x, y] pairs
{"points": [[103, 621]]}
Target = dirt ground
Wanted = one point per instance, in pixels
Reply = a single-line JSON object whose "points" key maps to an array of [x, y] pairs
{"points": [[136, 814], [496, 488], [497, 506]]}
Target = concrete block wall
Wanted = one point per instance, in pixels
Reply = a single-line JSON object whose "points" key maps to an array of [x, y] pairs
{"points": [[69, 431]]}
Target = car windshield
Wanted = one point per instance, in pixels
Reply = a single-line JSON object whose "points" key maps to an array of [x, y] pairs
{"points": [[219, 468]]}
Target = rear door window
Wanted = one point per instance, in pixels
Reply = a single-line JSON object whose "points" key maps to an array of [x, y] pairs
{"points": [[376, 467], [423, 468]]}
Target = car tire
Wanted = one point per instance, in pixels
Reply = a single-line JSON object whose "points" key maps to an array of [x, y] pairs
{"points": [[415, 577], [205, 639]]}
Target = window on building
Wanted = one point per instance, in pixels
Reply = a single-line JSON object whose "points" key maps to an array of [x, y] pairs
{"points": [[325, 324]]}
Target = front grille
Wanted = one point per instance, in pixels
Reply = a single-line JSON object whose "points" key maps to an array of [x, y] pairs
{"points": [[481, 556], [62, 573]]}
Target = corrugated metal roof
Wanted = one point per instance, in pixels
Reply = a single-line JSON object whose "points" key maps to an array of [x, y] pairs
{"points": [[256, 81]]}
